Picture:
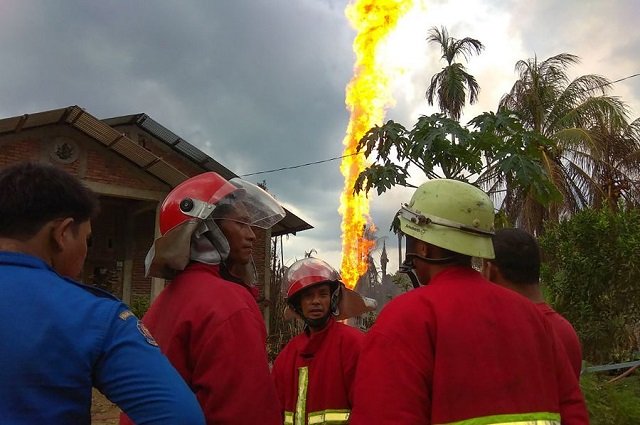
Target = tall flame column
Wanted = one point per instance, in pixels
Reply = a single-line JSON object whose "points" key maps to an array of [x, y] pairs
{"points": [[367, 95]]}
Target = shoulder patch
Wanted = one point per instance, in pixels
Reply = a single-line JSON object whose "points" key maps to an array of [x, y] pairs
{"points": [[146, 334], [125, 315]]}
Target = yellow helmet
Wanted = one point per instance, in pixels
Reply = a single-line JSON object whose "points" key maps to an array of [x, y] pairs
{"points": [[452, 215]]}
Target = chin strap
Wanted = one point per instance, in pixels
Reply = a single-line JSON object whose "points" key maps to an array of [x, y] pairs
{"points": [[407, 268]]}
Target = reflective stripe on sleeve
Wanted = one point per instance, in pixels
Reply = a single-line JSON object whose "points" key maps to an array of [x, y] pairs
{"points": [[301, 403], [535, 418], [329, 417]]}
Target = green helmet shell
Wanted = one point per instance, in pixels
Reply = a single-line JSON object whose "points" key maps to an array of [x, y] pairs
{"points": [[452, 215]]}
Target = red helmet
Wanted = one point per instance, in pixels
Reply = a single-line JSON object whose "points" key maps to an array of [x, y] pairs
{"points": [[308, 272], [194, 197], [193, 206], [311, 271]]}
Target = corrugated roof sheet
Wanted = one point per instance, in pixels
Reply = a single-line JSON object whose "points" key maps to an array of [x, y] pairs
{"points": [[171, 139]]}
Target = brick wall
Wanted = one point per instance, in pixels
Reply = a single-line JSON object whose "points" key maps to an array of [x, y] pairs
{"points": [[105, 166], [18, 150], [260, 257], [97, 163], [144, 227]]}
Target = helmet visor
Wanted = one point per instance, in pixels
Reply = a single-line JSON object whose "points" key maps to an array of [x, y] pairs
{"points": [[249, 204]]}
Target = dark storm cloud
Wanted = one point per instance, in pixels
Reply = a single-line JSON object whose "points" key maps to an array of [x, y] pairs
{"points": [[258, 84], [255, 84]]}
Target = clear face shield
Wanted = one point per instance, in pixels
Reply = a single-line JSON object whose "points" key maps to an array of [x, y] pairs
{"points": [[251, 204], [201, 239]]}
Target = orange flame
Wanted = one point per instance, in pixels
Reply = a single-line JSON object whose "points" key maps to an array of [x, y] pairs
{"points": [[367, 96]]}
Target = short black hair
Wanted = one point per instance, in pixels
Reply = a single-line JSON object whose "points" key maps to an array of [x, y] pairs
{"points": [[32, 194], [517, 256]]}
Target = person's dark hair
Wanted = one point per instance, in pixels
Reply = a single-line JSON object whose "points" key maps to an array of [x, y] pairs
{"points": [[33, 194], [517, 256]]}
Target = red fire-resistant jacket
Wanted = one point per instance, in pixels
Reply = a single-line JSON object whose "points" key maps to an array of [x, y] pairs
{"points": [[314, 374], [214, 335], [567, 335], [462, 349]]}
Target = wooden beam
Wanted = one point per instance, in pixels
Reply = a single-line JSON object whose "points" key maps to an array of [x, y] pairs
{"points": [[125, 192]]}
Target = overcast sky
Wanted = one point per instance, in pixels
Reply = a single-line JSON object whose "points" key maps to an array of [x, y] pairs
{"points": [[259, 84]]}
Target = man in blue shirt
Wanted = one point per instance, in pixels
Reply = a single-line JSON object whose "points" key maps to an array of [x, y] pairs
{"points": [[59, 337]]}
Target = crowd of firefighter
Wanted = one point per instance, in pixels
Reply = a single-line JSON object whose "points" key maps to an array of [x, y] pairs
{"points": [[464, 346]]}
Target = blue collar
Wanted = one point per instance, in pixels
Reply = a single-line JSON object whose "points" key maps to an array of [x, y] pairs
{"points": [[17, 259], [24, 260]]}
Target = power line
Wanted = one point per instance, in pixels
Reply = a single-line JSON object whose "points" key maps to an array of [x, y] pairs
{"points": [[611, 82], [298, 166], [356, 153], [622, 79]]}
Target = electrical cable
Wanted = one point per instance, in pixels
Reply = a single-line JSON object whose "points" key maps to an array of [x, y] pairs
{"points": [[356, 153], [299, 166]]}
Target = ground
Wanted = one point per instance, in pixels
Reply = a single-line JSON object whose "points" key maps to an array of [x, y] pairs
{"points": [[103, 412]]}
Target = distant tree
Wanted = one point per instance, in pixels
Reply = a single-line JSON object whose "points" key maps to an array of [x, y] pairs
{"points": [[582, 122], [590, 273], [402, 281], [616, 175], [450, 86]]}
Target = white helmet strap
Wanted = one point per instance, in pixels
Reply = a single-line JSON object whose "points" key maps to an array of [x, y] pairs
{"points": [[426, 219]]}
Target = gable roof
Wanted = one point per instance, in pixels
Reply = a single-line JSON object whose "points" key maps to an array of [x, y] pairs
{"points": [[155, 129], [103, 132], [77, 118]]}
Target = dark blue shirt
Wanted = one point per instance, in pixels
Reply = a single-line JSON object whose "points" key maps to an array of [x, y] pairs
{"points": [[60, 338]]}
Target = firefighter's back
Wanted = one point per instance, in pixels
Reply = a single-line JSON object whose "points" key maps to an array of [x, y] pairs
{"points": [[460, 349]]}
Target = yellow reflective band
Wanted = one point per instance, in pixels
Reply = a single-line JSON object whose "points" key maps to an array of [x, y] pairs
{"points": [[535, 418], [301, 403], [288, 418], [329, 417]]}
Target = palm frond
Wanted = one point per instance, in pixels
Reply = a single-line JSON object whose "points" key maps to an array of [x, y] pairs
{"points": [[595, 153]]}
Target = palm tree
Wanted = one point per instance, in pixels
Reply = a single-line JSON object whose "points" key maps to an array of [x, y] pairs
{"points": [[592, 143], [450, 85], [616, 176]]}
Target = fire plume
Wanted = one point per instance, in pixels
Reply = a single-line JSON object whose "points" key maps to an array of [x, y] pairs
{"points": [[368, 94]]}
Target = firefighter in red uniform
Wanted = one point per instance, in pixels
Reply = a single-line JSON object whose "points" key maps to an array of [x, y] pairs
{"points": [[460, 350], [517, 267], [314, 373], [206, 320]]}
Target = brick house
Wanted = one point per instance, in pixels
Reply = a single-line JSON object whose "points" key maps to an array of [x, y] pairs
{"points": [[131, 162]]}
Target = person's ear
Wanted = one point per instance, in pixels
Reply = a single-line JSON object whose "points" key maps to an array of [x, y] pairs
{"points": [[61, 232], [491, 271], [486, 268], [421, 248]]}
